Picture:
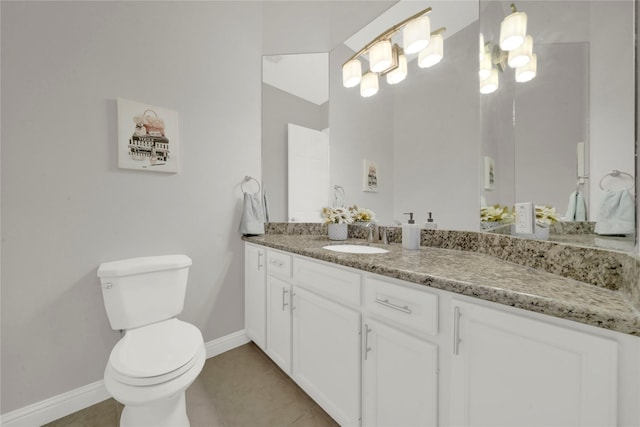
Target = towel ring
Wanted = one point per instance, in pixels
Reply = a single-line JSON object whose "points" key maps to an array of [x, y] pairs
{"points": [[616, 173], [249, 179]]}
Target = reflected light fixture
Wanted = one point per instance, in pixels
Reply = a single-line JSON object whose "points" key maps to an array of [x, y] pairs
{"points": [[369, 85], [388, 59], [416, 35], [491, 83], [433, 53], [513, 30], [527, 72], [351, 73], [494, 58], [399, 74], [520, 56]]}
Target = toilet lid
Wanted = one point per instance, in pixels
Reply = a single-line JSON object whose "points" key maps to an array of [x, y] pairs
{"points": [[155, 350]]}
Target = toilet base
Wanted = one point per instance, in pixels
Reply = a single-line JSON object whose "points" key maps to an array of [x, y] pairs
{"points": [[171, 412]]}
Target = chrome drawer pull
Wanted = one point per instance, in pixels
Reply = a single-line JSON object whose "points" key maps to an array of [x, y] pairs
{"points": [[386, 303], [276, 262], [284, 293], [367, 349], [456, 330]]}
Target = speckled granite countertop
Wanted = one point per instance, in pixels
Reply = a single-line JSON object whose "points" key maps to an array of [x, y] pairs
{"points": [[480, 276]]}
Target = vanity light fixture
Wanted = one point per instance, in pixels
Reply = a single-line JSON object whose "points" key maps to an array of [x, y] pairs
{"points": [[515, 49], [369, 85], [528, 71], [521, 55], [491, 83], [513, 30], [433, 53], [399, 74], [388, 59]]}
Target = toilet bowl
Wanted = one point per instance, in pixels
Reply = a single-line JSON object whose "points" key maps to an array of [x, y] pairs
{"points": [[159, 356]]}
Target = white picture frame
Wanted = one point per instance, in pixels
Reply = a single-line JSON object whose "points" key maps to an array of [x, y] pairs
{"points": [[489, 173], [370, 176], [147, 137]]}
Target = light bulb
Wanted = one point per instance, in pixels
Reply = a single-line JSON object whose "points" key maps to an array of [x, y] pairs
{"points": [[369, 85], [433, 53], [513, 30], [381, 56], [351, 73], [416, 35]]}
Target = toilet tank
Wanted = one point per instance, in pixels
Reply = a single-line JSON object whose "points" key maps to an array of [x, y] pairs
{"points": [[141, 291]]}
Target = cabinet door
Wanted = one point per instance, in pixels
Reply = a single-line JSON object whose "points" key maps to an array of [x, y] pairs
{"points": [[516, 371], [279, 322], [326, 354], [400, 378], [254, 294]]}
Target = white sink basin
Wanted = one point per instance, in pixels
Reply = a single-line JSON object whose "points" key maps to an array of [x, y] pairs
{"points": [[356, 249]]}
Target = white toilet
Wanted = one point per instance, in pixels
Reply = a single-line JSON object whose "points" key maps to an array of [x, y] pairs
{"points": [[159, 356]]}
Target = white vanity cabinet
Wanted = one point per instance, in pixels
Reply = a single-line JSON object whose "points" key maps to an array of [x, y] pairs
{"points": [[278, 306], [509, 370], [326, 337], [254, 293], [326, 354], [377, 351], [400, 378], [400, 366]]}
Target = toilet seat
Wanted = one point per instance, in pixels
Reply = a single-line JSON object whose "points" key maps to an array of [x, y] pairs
{"points": [[155, 353]]}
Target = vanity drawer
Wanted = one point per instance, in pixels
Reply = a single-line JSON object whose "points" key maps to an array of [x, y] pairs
{"points": [[414, 308], [338, 283], [279, 263]]}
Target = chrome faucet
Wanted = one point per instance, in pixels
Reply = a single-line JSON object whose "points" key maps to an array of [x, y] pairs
{"points": [[373, 232]]}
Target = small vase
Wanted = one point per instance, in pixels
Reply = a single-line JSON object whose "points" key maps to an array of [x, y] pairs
{"points": [[338, 231]]}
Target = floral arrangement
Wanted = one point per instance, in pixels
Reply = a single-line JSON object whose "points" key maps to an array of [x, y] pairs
{"points": [[362, 214], [337, 215], [546, 215], [496, 213]]}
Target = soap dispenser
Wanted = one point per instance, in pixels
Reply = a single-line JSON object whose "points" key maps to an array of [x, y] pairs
{"points": [[430, 224], [410, 233]]}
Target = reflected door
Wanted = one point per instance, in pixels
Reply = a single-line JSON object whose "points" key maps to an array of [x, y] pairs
{"points": [[308, 155]]}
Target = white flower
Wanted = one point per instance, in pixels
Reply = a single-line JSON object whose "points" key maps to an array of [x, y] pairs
{"points": [[337, 215]]}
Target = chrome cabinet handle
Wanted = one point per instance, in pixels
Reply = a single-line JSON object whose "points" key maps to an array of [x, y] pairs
{"points": [[367, 349], [260, 255], [386, 303], [276, 262], [284, 293], [456, 330]]}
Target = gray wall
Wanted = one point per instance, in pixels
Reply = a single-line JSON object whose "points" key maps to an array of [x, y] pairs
{"points": [[278, 109], [360, 128], [436, 137], [66, 207]]}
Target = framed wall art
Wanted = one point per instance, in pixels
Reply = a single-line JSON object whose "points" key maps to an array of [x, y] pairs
{"points": [[370, 177], [147, 137], [489, 173]]}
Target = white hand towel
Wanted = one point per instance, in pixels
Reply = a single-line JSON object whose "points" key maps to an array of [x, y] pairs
{"points": [[617, 213], [577, 208], [252, 220]]}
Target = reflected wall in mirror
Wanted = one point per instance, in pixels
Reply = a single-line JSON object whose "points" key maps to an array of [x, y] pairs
{"points": [[422, 133], [583, 93], [295, 91]]}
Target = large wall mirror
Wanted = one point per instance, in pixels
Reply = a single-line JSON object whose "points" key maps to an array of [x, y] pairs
{"points": [[570, 127], [430, 134]]}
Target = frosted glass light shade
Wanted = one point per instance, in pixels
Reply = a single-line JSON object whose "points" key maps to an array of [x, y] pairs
{"points": [[527, 72], [521, 55], [513, 31], [369, 85], [351, 73], [433, 53], [416, 35], [381, 56], [485, 67], [491, 83], [400, 73]]}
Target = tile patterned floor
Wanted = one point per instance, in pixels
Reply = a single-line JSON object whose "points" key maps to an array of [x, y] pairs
{"points": [[239, 388]]}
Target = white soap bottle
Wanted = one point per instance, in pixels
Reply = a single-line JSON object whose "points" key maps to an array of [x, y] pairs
{"points": [[430, 224], [410, 233]]}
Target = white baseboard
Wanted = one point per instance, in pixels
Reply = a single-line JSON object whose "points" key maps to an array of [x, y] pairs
{"points": [[51, 409]]}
